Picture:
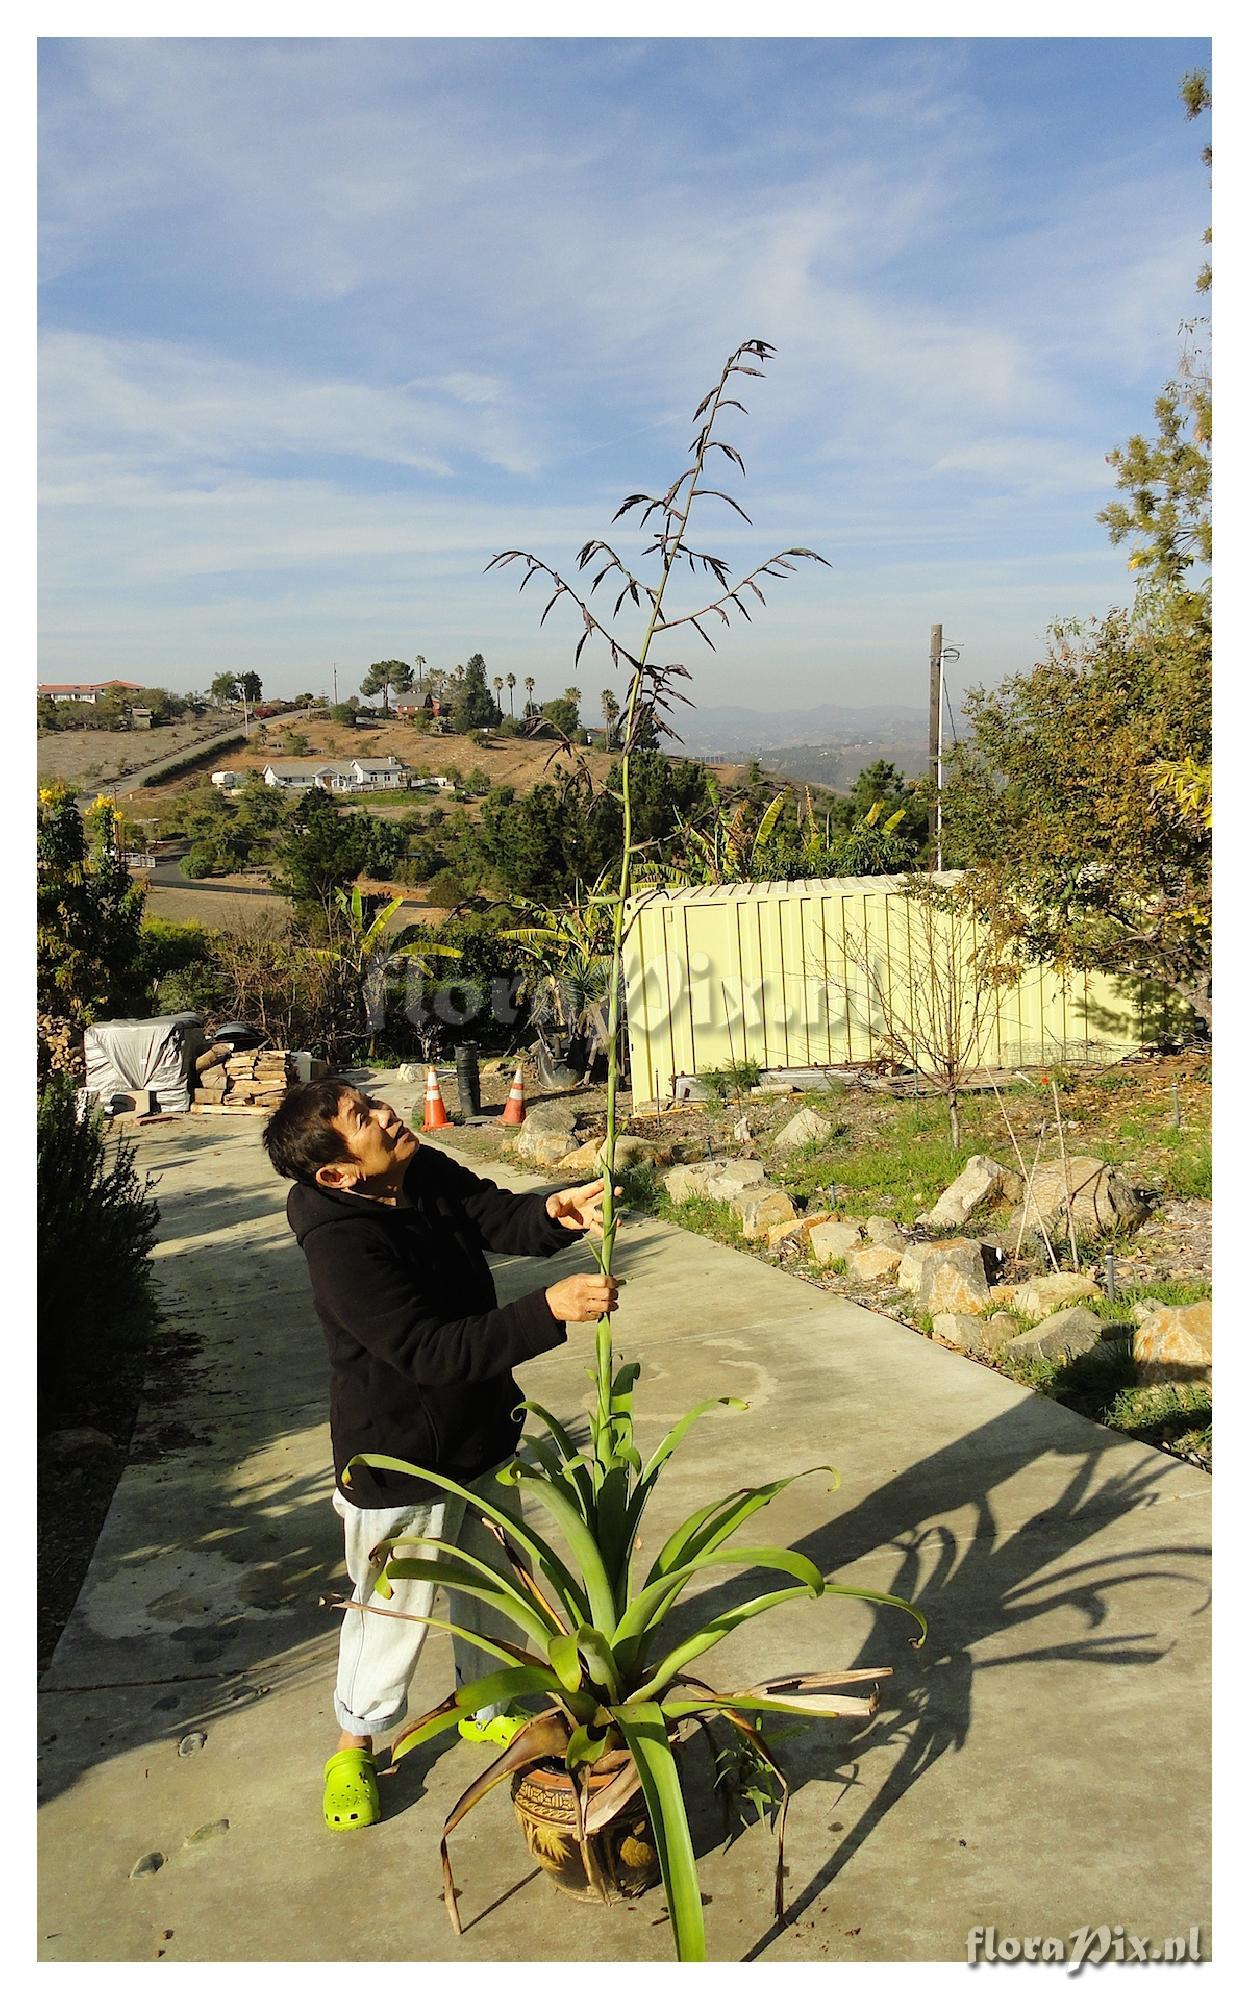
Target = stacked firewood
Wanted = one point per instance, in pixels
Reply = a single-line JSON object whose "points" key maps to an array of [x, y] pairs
{"points": [[255, 1079]]}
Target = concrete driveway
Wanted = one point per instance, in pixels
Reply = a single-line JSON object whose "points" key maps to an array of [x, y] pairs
{"points": [[1041, 1764]]}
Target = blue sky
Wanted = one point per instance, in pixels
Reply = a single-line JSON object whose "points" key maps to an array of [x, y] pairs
{"points": [[324, 324]]}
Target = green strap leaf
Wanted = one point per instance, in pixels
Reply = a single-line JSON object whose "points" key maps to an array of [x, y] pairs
{"points": [[567, 1661], [576, 1470], [707, 1527], [581, 1540], [711, 1635], [656, 1596], [454, 1553], [414, 1569], [883, 1597], [599, 1656], [571, 1594], [650, 1473], [502, 1649], [584, 1747], [642, 1725]]}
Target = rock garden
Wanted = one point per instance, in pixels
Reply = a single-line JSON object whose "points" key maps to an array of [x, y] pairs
{"points": [[1065, 1243]]}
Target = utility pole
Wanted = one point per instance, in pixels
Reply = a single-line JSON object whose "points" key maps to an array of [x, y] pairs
{"points": [[935, 740]]}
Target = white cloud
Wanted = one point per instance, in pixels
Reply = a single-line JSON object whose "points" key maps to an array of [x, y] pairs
{"points": [[157, 402]]}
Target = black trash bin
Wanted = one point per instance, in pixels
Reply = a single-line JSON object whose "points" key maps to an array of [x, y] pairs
{"points": [[468, 1080]]}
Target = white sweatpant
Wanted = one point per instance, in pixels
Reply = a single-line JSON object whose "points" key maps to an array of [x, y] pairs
{"points": [[378, 1656]]}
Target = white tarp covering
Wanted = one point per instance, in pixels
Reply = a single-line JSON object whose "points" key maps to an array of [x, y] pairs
{"points": [[144, 1055]]}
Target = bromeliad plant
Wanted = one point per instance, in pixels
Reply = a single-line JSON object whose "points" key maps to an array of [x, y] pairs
{"points": [[597, 1643]]}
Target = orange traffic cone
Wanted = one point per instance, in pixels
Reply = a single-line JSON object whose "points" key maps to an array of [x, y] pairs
{"points": [[435, 1109], [514, 1109]]}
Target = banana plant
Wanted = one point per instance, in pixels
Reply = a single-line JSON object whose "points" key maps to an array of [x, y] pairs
{"points": [[594, 1639], [569, 953], [362, 953]]}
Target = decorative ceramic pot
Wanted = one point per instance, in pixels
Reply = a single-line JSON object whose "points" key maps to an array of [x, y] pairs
{"points": [[622, 1853]]}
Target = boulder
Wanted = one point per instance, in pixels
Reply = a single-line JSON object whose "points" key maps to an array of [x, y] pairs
{"points": [[1038, 1297], [946, 1277], [1175, 1342], [883, 1229], [1073, 1331], [963, 1330], [1143, 1309], [1101, 1200], [718, 1180], [982, 1180], [546, 1137], [874, 1262], [803, 1130], [1000, 1327], [831, 1241], [587, 1162], [762, 1208], [799, 1228], [583, 1163]]}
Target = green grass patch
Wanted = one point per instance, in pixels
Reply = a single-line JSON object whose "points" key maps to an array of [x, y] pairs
{"points": [[1168, 1291], [906, 1162], [718, 1220], [641, 1188]]}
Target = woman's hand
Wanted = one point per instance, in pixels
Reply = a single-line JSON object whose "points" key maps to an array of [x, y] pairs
{"points": [[587, 1296], [579, 1207]]}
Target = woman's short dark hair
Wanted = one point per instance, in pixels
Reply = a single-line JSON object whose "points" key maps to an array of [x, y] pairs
{"points": [[300, 1137]]}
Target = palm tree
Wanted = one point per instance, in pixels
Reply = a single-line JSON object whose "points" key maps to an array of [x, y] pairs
{"points": [[529, 692], [611, 713], [511, 682], [497, 684], [418, 668]]}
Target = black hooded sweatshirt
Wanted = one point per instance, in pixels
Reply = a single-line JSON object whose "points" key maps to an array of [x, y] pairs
{"points": [[421, 1355]]}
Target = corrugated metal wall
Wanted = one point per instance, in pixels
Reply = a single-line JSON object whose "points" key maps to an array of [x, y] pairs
{"points": [[792, 974]]}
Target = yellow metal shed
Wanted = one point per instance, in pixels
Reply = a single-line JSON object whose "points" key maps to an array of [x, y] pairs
{"points": [[790, 974]]}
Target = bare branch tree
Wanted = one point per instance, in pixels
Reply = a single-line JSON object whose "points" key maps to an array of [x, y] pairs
{"points": [[930, 991]]}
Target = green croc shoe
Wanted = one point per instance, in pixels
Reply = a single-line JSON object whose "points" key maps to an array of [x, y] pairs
{"points": [[351, 1791], [499, 1729]]}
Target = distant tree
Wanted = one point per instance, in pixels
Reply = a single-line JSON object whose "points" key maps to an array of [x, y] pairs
{"points": [[497, 684], [385, 676], [529, 692], [250, 687], [1064, 808], [611, 715], [88, 912], [224, 689], [882, 784], [563, 713], [510, 682], [418, 670], [344, 712], [474, 707], [322, 849]]}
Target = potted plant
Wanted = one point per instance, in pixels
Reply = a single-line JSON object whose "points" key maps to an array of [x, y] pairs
{"points": [[595, 1775]]}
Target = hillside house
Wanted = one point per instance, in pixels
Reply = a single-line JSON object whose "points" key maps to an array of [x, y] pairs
{"points": [[85, 691], [359, 774]]}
